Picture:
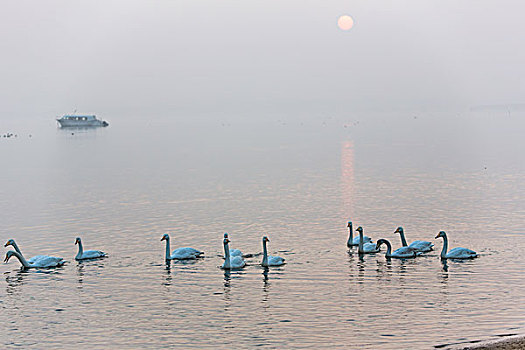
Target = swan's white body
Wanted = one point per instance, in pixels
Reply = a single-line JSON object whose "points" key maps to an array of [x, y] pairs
{"points": [[185, 253], [231, 263], [400, 253], [365, 248], [270, 260], [422, 246], [233, 252], [88, 254], [38, 260], [455, 253], [369, 248], [50, 261], [354, 241], [461, 253]]}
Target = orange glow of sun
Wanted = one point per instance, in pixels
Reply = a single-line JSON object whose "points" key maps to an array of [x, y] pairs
{"points": [[345, 22]]}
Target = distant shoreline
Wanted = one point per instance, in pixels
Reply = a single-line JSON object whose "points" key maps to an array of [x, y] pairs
{"points": [[515, 342]]}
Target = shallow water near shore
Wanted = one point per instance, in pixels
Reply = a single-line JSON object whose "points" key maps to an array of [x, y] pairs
{"points": [[297, 180]]}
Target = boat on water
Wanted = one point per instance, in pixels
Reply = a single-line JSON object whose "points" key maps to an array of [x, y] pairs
{"points": [[80, 120]]}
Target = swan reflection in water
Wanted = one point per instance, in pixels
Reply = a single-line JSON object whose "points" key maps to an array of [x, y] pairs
{"points": [[80, 274], [83, 264], [384, 269], [361, 265], [265, 276], [444, 265], [168, 277], [14, 282], [266, 287], [227, 290]]}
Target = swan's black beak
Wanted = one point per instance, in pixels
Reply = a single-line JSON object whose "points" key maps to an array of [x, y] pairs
{"points": [[163, 238], [437, 236], [6, 258], [6, 244]]}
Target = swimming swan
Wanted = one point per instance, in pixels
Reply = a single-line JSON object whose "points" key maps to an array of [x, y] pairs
{"points": [[46, 259], [270, 260], [40, 263], [180, 253], [354, 241], [456, 253], [365, 248], [234, 252], [88, 254], [422, 246], [400, 253], [231, 263]]}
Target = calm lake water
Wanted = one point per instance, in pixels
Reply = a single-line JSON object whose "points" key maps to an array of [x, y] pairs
{"points": [[297, 180]]}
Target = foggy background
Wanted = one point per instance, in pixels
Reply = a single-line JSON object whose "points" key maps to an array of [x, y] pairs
{"points": [[167, 57]]}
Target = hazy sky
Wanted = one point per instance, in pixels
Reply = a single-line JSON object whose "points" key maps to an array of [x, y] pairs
{"points": [[168, 57]]}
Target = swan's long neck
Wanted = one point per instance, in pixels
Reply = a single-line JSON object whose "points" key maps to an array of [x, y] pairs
{"points": [[361, 241], [265, 254], [22, 260], [445, 247], [80, 250], [388, 247], [351, 236], [226, 256], [403, 240], [16, 248], [168, 255]]}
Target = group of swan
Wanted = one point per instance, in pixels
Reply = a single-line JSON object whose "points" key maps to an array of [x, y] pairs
{"points": [[45, 261], [233, 258], [416, 248]]}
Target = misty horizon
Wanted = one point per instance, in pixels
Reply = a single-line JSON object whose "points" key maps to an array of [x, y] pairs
{"points": [[168, 57]]}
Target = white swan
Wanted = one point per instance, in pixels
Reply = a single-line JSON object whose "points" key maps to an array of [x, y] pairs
{"points": [[234, 262], [40, 263], [45, 259], [180, 253], [233, 252], [270, 260], [422, 246], [365, 248], [354, 241], [400, 253], [456, 253], [88, 254]]}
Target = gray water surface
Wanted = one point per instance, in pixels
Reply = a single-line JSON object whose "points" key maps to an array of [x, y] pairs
{"points": [[297, 180]]}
